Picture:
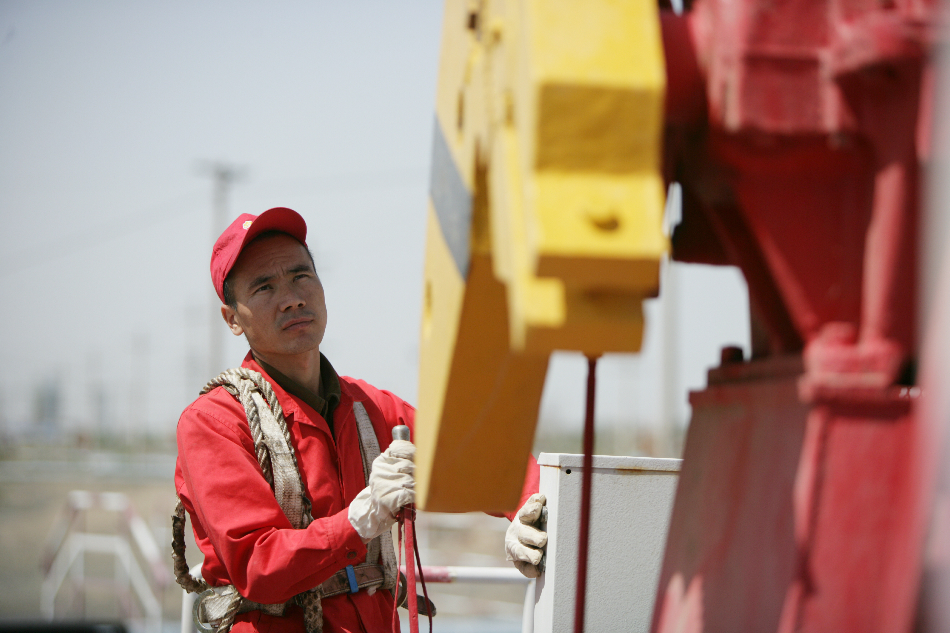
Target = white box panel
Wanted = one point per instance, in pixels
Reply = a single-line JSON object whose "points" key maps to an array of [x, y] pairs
{"points": [[632, 498]]}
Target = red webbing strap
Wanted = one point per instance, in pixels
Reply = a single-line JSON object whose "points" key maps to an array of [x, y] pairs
{"points": [[584, 534], [406, 532], [422, 578], [408, 520], [395, 621]]}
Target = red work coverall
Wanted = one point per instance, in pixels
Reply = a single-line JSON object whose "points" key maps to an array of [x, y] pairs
{"points": [[242, 532]]}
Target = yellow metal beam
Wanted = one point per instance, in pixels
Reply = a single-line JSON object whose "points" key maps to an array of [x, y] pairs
{"points": [[544, 225]]}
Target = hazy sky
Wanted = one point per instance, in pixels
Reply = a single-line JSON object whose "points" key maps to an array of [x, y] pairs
{"points": [[107, 112]]}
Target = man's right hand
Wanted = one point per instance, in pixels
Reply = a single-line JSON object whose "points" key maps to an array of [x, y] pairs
{"points": [[392, 485]]}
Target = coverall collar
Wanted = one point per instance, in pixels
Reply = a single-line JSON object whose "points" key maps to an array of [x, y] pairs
{"points": [[325, 401], [293, 406]]}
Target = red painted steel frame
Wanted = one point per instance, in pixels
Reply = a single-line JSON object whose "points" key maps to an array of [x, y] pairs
{"points": [[934, 415], [793, 128]]}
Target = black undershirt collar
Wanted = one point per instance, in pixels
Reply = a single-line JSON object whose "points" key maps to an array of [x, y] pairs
{"points": [[325, 401]]}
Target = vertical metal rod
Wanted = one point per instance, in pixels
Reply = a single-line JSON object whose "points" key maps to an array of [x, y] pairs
{"points": [[583, 537], [527, 612]]}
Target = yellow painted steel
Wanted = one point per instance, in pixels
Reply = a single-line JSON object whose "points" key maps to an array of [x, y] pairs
{"points": [[544, 227]]}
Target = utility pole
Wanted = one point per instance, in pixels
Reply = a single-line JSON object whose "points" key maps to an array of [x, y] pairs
{"points": [[223, 176], [96, 389], [5, 434], [137, 428], [194, 372]]}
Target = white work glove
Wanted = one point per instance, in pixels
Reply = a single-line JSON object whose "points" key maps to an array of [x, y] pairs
{"points": [[523, 541], [391, 486]]}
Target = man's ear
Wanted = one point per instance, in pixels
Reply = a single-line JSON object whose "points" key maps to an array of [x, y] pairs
{"points": [[229, 315]]}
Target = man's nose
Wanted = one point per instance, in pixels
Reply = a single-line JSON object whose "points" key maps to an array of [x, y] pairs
{"points": [[291, 299]]}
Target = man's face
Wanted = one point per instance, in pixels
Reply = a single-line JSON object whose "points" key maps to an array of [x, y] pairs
{"points": [[280, 304]]}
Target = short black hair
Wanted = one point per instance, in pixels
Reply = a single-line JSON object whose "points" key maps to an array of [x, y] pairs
{"points": [[227, 288]]}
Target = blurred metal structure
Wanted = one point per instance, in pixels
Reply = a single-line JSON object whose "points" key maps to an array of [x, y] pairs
{"points": [[545, 224], [64, 555], [797, 131], [488, 576]]}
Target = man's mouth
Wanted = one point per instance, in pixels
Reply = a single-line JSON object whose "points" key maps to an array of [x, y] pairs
{"points": [[295, 323]]}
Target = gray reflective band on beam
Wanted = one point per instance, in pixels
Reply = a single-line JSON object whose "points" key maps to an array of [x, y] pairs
{"points": [[452, 201]]}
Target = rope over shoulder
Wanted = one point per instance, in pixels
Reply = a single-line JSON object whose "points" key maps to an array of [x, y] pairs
{"points": [[275, 455], [271, 438]]}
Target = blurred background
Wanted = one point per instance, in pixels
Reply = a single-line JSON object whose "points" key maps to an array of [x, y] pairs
{"points": [[130, 134]]}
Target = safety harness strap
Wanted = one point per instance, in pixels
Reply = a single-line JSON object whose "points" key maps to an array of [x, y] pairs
{"points": [[383, 544]]}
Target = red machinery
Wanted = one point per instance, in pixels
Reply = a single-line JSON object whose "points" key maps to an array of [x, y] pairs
{"points": [[797, 129]]}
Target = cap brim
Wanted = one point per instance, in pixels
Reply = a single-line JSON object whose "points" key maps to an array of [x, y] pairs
{"points": [[277, 219]]}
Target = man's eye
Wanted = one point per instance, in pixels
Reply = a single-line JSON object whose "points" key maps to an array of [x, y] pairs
{"points": [[261, 288]]}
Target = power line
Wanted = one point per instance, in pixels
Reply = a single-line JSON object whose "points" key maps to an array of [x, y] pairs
{"points": [[95, 235]]}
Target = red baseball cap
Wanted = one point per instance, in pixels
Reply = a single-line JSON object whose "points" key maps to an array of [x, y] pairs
{"points": [[244, 229]]}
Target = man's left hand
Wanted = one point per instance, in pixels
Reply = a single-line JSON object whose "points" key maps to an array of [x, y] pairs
{"points": [[523, 541]]}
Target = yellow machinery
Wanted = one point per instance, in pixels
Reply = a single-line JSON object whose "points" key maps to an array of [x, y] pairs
{"points": [[544, 224]]}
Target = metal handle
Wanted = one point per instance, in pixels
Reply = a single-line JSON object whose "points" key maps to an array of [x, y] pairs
{"points": [[401, 432]]}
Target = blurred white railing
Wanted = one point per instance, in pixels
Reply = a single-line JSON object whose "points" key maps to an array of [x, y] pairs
{"points": [[475, 575], [66, 547], [486, 575]]}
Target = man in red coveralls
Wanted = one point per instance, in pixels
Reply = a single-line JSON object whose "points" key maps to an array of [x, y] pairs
{"points": [[264, 275]]}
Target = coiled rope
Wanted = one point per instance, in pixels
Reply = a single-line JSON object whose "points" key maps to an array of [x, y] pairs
{"points": [[275, 454]]}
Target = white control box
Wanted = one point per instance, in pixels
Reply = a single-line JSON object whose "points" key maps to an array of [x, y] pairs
{"points": [[631, 502]]}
